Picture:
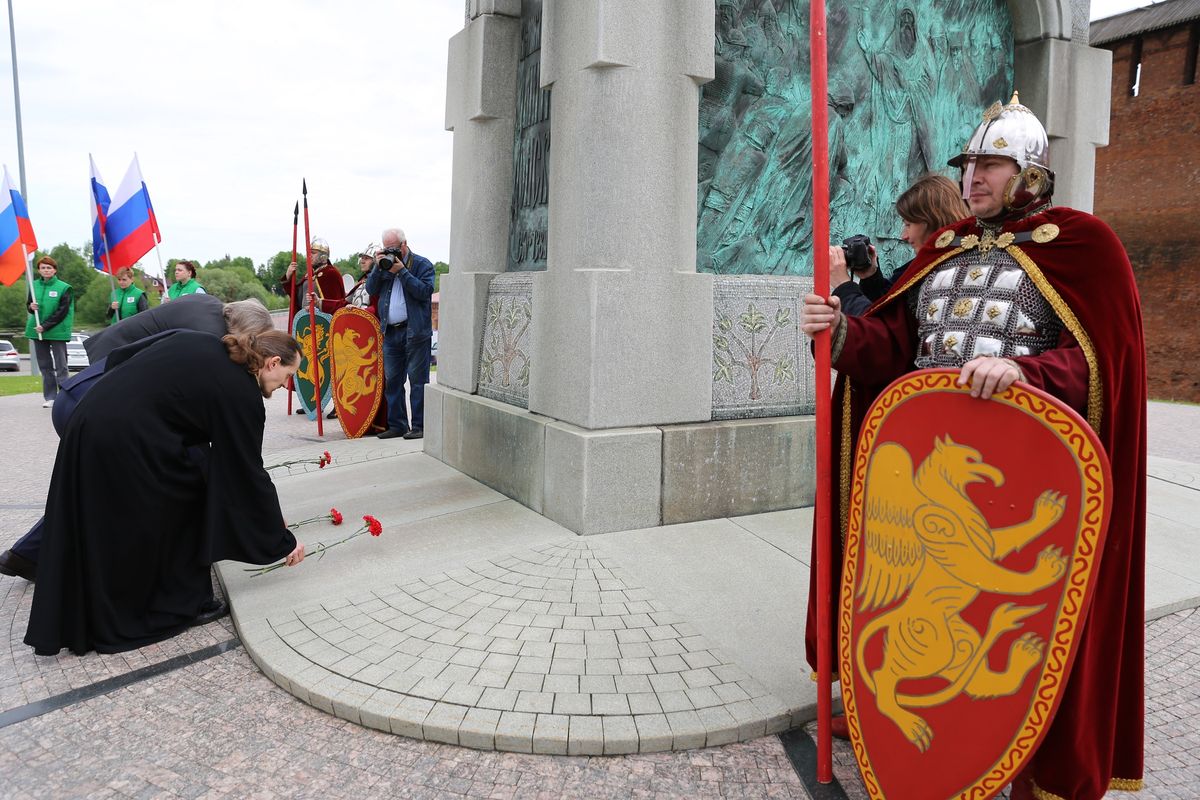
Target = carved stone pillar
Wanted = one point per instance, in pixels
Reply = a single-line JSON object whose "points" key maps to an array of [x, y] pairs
{"points": [[623, 322], [480, 110]]}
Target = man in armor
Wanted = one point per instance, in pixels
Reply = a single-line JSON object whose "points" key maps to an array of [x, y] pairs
{"points": [[1024, 290], [330, 290]]}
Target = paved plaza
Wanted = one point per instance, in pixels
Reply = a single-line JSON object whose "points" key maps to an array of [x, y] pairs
{"points": [[477, 649]]}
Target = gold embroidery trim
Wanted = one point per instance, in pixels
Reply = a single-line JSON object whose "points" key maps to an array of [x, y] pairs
{"points": [[1115, 784], [846, 461], [1126, 784], [1095, 407], [813, 676]]}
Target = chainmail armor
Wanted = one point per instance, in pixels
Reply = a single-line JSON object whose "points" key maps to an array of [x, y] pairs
{"points": [[981, 304]]}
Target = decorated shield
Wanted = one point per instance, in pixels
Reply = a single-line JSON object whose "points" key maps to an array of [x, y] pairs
{"points": [[356, 354], [974, 538], [306, 375]]}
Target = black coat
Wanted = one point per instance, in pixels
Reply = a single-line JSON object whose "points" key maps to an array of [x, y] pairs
{"points": [[193, 312], [132, 526]]}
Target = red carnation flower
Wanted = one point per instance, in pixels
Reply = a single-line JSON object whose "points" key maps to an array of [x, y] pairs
{"points": [[328, 458], [373, 525], [336, 516]]}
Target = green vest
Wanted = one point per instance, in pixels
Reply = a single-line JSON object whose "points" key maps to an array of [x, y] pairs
{"points": [[191, 287], [47, 295], [126, 300]]}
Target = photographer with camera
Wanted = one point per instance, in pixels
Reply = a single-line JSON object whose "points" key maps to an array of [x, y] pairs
{"points": [[403, 281], [930, 204]]}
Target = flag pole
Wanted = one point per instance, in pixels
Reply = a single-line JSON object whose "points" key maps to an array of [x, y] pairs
{"points": [[292, 298], [312, 317], [820, 178], [37, 320], [162, 271]]}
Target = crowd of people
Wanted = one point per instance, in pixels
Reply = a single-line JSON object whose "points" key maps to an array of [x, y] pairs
{"points": [[112, 587]]}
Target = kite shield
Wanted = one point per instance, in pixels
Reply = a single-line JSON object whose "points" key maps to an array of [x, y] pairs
{"points": [[303, 331], [973, 544], [356, 353]]}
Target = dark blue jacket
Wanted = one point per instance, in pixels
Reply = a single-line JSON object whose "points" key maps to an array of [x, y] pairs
{"points": [[416, 280]]}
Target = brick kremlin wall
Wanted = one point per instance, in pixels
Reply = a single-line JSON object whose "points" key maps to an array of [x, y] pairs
{"points": [[1148, 190]]}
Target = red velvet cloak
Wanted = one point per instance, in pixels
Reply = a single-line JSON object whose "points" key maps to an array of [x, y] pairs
{"points": [[1099, 368], [331, 291]]}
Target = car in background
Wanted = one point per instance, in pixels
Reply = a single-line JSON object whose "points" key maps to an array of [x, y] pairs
{"points": [[77, 357], [10, 359], [79, 336]]}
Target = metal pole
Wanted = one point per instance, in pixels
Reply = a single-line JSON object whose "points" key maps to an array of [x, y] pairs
{"points": [[12, 40]]}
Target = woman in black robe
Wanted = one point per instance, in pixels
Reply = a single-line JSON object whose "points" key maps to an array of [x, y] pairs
{"points": [[117, 574]]}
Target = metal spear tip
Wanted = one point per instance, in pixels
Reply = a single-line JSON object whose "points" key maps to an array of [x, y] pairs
{"points": [[296, 210], [304, 185]]}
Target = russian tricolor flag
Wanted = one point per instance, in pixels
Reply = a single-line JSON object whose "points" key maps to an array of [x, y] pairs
{"points": [[132, 226], [16, 233], [100, 204]]}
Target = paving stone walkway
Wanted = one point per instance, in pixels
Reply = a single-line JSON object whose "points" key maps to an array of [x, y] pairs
{"points": [[548, 650]]}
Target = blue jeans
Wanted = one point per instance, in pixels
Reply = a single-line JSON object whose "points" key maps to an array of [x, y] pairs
{"points": [[405, 358]]}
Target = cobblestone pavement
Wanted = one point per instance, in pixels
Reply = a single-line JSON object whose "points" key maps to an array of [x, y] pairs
{"points": [[218, 727], [552, 650]]}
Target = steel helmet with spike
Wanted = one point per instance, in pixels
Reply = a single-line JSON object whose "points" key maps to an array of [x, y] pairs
{"points": [[1012, 131]]}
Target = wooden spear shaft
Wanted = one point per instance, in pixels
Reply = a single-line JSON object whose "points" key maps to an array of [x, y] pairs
{"points": [[312, 318], [820, 240]]}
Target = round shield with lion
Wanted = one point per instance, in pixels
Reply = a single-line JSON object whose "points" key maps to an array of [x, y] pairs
{"points": [[974, 535]]}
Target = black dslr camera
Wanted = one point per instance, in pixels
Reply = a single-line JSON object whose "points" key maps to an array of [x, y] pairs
{"points": [[858, 251], [386, 259]]}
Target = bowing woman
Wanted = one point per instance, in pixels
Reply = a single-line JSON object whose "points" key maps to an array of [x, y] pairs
{"points": [[185, 281], [113, 575]]}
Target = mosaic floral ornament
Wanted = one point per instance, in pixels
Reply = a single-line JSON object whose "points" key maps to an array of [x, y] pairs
{"points": [[746, 346]]}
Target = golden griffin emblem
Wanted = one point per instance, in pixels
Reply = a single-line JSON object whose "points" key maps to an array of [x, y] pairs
{"points": [[355, 378], [928, 546]]}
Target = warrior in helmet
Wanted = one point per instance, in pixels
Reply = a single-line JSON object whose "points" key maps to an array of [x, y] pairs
{"points": [[330, 290], [1024, 290]]}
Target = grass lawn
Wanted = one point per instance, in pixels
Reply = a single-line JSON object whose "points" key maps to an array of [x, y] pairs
{"points": [[20, 384]]}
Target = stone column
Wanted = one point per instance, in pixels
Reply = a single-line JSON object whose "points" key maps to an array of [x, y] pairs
{"points": [[623, 323], [1067, 84], [480, 110]]}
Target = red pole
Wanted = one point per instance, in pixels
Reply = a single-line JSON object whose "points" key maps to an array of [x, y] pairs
{"points": [[820, 151], [312, 318], [292, 296]]}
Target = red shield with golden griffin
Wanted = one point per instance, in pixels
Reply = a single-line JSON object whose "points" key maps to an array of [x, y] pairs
{"points": [[974, 537], [356, 356]]}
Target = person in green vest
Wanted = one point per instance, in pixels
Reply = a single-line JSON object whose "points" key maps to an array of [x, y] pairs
{"points": [[127, 299], [49, 329], [185, 281]]}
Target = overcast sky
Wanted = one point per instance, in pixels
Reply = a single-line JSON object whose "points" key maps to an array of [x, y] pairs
{"points": [[229, 104]]}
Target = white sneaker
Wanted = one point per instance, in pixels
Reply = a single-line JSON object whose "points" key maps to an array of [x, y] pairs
{"points": [[47, 404]]}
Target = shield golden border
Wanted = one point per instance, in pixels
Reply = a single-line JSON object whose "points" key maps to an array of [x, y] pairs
{"points": [[356, 417], [303, 384], [933, 396]]}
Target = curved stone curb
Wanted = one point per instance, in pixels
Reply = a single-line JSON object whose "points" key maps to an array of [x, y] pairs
{"points": [[550, 650]]}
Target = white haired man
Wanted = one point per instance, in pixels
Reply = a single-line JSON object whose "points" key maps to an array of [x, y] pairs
{"points": [[403, 282]]}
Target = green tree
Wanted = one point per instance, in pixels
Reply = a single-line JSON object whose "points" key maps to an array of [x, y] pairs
{"points": [[440, 268], [13, 311], [90, 305], [270, 273]]}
